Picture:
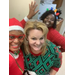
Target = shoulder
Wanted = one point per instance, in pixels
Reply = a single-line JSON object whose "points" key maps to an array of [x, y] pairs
{"points": [[53, 31], [50, 44], [54, 50], [52, 47], [52, 34]]}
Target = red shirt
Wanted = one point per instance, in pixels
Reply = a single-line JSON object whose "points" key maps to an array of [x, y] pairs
{"points": [[54, 36], [13, 68]]}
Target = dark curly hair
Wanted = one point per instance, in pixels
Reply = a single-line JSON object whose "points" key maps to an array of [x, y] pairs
{"points": [[44, 15]]}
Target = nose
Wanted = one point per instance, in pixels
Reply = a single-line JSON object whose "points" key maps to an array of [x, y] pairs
{"points": [[49, 20], [38, 42], [16, 40]]}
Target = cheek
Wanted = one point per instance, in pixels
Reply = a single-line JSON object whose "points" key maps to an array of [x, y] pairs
{"points": [[43, 41], [11, 42], [31, 42], [21, 41], [52, 22], [45, 20]]}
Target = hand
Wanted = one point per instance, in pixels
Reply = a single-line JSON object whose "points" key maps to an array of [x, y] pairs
{"points": [[30, 73], [32, 11], [52, 72]]}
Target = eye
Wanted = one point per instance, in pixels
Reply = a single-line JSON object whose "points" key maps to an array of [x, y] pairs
{"points": [[33, 38], [52, 19], [11, 37], [41, 38], [47, 17], [20, 37]]}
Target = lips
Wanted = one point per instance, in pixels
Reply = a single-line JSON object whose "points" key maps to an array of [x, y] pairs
{"points": [[48, 24], [15, 46]]}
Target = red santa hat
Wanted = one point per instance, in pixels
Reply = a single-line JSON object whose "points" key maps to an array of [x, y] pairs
{"points": [[14, 24]]}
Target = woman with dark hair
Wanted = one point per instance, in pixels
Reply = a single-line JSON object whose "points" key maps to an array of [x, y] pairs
{"points": [[49, 18], [49, 15]]}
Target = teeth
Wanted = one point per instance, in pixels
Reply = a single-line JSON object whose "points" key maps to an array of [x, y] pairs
{"points": [[47, 22], [37, 46], [15, 46]]}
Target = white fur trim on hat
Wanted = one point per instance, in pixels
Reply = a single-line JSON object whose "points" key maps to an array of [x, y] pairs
{"points": [[16, 28]]}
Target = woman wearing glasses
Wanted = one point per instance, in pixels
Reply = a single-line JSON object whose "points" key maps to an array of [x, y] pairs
{"points": [[16, 39]]}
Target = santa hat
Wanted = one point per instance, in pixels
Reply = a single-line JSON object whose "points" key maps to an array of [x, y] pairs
{"points": [[14, 24]]}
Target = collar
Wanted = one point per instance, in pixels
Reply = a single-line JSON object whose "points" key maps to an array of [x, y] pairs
{"points": [[15, 55], [35, 54]]}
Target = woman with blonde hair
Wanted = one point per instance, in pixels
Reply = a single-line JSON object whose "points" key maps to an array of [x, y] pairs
{"points": [[41, 55]]}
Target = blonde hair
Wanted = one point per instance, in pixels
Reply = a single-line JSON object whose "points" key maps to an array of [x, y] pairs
{"points": [[35, 25]]}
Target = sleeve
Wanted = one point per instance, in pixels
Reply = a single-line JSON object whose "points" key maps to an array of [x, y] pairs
{"points": [[23, 22], [58, 58], [59, 40]]}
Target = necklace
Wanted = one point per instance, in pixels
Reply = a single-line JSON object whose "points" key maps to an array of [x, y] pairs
{"points": [[16, 53]]}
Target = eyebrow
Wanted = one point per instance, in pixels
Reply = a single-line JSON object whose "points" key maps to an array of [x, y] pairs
{"points": [[36, 37]]}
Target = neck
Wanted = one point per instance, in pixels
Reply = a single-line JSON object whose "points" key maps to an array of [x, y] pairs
{"points": [[15, 52], [35, 53]]}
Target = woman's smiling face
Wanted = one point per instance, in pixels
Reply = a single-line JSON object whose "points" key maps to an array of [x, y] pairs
{"points": [[49, 20], [36, 40], [15, 44]]}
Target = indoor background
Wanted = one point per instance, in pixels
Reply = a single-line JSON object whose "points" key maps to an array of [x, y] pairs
{"points": [[20, 8]]}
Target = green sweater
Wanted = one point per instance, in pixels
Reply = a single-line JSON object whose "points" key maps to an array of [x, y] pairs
{"points": [[43, 64]]}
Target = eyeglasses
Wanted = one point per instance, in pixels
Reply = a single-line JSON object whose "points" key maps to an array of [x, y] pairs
{"points": [[20, 37]]}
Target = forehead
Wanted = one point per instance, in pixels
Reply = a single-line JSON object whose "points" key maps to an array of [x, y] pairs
{"points": [[35, 32], [51, 15], [15, 32]]}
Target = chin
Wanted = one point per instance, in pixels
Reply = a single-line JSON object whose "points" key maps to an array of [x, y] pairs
{"points": [[37, 49], [14, 49]]}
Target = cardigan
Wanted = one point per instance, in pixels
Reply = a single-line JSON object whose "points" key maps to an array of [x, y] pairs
{"points": [[54, 36], [42, 65], [13, 68]]}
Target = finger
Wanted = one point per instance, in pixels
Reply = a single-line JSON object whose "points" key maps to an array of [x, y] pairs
{"points": [[35, 6], [31, 4], [37, 11]]}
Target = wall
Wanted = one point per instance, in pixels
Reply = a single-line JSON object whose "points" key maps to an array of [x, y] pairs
{"points": [[19, 8], [63, 16]]}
